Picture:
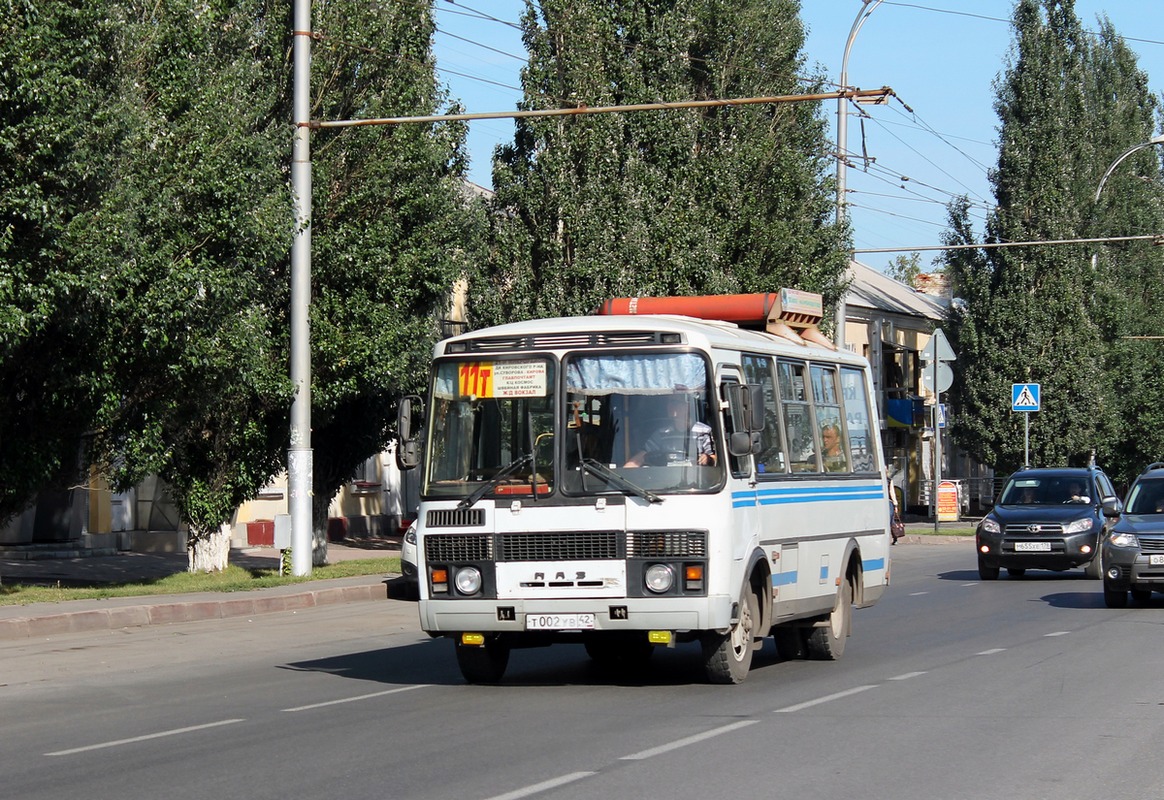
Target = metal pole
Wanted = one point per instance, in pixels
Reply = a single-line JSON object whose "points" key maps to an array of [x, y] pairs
{"points": [[299, 455], [1026, 438], [867, 7], [1119, 160], [937, 440]]}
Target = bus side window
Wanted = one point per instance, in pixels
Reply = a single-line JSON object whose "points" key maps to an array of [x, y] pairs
{"points": [[834, 449], [770, 459], [797, 416]]}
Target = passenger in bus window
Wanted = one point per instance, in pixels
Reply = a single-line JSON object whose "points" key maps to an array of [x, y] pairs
{"points": [[681, 437], [833, 453]]}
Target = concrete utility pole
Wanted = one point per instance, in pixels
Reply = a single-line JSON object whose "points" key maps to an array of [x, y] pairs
{"points": [[299, 454], [867, 7]]}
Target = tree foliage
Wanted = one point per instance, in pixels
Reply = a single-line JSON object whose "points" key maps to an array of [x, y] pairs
{"points": [[393, 228], [145, 228], [660, 202], [1067, 105], [55, 131]]}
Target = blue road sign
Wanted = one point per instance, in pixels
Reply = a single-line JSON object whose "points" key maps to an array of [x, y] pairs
{"points": [[1024, 397]]}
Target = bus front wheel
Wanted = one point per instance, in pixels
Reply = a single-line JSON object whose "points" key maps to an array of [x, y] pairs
{"points": [[727, 657]]}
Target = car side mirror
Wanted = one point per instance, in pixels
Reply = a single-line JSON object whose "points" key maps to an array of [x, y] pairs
{"points": [[1112, 507]]}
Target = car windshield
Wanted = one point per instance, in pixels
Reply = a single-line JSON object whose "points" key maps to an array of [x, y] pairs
{"points": [[1146, 497], [1029, 490]]}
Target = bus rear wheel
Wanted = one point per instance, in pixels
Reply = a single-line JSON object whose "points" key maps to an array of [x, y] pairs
{"points": [[727, 657], [827, 643]]}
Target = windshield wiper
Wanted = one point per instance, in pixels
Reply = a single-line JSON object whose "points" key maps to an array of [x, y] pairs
{"points": [[487, 486], [612, 477]]}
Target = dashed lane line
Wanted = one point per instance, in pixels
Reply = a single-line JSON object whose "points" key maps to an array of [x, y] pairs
{"points": [[146, 737]]}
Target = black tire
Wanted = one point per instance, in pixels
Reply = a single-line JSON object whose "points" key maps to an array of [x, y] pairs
{"points": [[727, 657], [1016, 572], [827, 643], [484, 664], [1115, 598], [1141, 597], [790, 643], [985, 572]]}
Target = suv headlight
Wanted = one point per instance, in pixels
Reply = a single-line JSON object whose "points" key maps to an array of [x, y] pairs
{"points": [[1078, 526], [990, 525], [1124, 539]]}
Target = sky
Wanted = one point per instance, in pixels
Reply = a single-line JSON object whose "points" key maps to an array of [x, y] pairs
{"points": [[936, 140]]}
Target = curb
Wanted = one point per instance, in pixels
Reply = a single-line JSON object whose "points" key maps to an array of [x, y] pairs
{"points": [[168, 612]]}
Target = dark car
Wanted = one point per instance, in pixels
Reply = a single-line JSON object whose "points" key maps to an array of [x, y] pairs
{"points": [[1133, 552], [1047, 519]]}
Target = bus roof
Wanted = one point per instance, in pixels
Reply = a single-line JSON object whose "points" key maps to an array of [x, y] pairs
{"points": [[560, 334]]}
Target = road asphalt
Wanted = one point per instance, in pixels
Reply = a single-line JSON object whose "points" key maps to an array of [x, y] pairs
{"points": [[42, 620]]}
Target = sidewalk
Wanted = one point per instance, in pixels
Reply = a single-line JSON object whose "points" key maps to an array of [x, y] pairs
{"points": [[46, 619]]}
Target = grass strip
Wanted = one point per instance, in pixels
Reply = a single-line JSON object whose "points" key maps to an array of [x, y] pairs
{"points": [[231, 579]]}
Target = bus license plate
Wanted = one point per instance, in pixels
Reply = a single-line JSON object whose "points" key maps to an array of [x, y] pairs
{"points": [[1156, 560], [559, 622], [1033, 547]]}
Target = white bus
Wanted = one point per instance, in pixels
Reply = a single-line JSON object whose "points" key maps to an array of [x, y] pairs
{"points": [[637, 479]]}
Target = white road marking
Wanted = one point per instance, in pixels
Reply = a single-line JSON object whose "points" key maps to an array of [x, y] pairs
{"points": [[991, 651], [699, 737], [917, 594], [825, 699], [359, 697], [145, 738], [1057, 633], [552, 783], [907, 676]]}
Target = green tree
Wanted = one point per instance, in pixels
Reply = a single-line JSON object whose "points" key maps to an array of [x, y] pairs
{"points": [[905, 268], [191, 243], [660, 202], [1037, 314], [393, 228], [56, 130]]}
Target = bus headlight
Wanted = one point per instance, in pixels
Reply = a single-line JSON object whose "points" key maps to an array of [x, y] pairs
{"points": [[468, 580], [659, 578]]}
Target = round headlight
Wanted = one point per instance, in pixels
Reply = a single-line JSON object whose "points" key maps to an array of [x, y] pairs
{"points": [[468, 580], [660, 578]]}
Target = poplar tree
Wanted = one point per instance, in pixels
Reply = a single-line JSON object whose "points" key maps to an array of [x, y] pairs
{"points": [[1038, 314], [702, 201]]}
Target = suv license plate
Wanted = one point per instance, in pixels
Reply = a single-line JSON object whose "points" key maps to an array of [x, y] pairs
{"points": [[1156, 560], [559, 622], [1032, 547]]}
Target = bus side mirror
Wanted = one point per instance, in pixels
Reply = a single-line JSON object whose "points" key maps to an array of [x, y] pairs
{"points": [[746, 408], [408, 422]]}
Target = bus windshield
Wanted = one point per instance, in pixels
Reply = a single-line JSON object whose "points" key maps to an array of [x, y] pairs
{"points": [[492, 429], [645, 416]]}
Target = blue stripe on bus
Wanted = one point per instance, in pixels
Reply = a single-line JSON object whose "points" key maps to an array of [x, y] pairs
{"points": [[784, 578], [824, 572], [806, 494], [871, 564]]}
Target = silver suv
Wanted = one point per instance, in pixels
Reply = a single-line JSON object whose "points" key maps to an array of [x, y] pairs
{"points": [[1133, 553]]}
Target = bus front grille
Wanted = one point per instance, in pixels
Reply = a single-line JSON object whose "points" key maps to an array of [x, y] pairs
{"points": [[457, 547], [558, 546]]}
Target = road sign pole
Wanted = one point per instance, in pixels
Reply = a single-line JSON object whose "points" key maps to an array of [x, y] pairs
{"points": [[1026, 438]]}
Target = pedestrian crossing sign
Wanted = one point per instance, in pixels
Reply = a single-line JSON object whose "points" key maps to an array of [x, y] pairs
{"points": [[1024, 397]]}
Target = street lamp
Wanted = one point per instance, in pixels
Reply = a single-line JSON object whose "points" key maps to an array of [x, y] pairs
{"points": [[867, 7], [1119, 160]]}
